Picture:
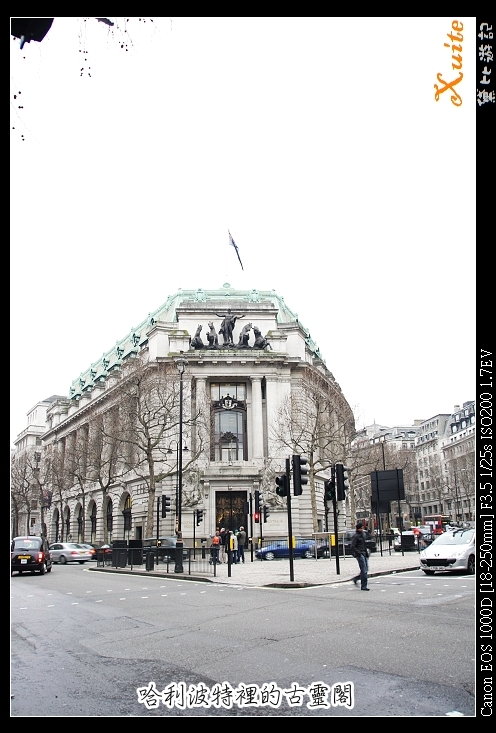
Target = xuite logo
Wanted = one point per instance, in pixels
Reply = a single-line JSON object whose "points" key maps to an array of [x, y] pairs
{"points": [[456, 65]]}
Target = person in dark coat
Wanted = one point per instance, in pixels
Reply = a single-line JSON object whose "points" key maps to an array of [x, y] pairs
{"points": [[360, 552]]}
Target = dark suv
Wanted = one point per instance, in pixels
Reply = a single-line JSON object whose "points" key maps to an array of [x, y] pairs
{"points": [[30, 554]]}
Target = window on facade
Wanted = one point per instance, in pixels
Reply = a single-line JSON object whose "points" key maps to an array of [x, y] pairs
{"points": [[109, 516], [237, 391], [229, 435], [93, 520], [228, 422]]}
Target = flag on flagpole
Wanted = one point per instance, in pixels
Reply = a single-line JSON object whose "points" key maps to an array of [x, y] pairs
{"points": [[233, 244]]}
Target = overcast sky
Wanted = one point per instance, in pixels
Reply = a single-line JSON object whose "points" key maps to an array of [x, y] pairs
{"points": [[317, 142]]}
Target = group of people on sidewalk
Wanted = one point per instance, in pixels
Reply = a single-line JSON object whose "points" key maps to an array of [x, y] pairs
{"points": [[224, 541]]}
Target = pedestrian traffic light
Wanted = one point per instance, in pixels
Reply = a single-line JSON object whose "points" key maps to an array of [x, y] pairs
{"points": [[166, 505], [330, 490], [342, 481], [300, 472], [266, 512], [256, 517], [282, 485], [257, 501], [199, 516]]}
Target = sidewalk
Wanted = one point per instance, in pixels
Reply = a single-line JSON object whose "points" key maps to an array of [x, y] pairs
{"points": [[275, 573]]}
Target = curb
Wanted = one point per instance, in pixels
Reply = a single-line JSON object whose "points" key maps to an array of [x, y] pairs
{"points": [[152, 574], [203, 579]]}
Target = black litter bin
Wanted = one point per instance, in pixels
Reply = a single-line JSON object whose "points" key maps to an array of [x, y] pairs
{"points": [[150, 561]]}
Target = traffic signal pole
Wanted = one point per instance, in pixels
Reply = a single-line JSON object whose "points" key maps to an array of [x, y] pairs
{"points": [[290, 524], [336, 534], [251, 527], [158, 531]]}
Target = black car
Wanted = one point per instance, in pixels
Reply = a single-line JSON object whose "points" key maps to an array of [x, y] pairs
{"points": [[30, 554], [166, 548], [345, 542]]}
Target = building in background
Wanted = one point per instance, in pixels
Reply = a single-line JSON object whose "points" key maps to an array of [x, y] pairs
{"points": [[251, 391]]}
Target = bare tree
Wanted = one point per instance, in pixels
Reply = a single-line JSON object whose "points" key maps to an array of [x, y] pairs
{"points": [[21, 489], [148, 399], [315, 421], [39, 466], [57, 478]]}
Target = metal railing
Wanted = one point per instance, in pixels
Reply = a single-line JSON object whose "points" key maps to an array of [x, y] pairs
{"points": [[195, 561]]}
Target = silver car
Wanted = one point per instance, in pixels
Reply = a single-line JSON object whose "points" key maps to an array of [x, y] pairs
{"points": [[450, 551], [64, 552]]}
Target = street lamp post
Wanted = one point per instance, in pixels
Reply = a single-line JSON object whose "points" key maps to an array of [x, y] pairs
{"points": [[180, 364], [176, 505], [458, 513]]}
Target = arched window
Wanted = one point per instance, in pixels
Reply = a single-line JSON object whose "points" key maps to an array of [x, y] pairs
{"points": [[93, 522], [68, 525], [127, 514], [109, 518], [80, 522]]}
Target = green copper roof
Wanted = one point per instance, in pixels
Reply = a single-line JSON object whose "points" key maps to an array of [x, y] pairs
{"points": [[136, 337]]}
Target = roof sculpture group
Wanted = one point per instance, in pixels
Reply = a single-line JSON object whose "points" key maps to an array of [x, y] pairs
{"points": [[226, 331]]}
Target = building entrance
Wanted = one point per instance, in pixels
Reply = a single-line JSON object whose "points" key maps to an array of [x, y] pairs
{"points": [[230, 509]]}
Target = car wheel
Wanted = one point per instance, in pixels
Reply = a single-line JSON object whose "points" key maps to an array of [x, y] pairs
{"points": [[62, 560], [81, 562], [308, 554], [428, 572], [269, 556], [471, 565], [43, 569]]}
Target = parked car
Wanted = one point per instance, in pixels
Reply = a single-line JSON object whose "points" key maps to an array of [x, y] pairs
{"points": [[91, 549], [280, 548], [64, 552], [407, 540], [166, 547], [30, 553], [450, 551], [347, 536]]}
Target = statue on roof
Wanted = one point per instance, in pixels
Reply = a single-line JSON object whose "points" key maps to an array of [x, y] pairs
{"points": [[227, 326], [196, 341]]}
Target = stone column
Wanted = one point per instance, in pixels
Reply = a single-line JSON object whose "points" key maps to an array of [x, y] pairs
{"points": [[256, 418], [203, 408]]}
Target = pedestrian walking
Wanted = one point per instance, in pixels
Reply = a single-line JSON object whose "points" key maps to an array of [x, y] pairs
{"points": [[360, 552]]}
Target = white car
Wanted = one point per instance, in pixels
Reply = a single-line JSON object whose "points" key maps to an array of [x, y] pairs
{"points": [[64, 552], [450, 551]]}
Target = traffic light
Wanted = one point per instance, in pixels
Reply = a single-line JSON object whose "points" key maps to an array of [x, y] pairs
{"points": [[199, 516], [257, 501], [300, 472], [342, 481], [166, 505], [256, 517], [266, 512], [330, 490], [282, 485]]}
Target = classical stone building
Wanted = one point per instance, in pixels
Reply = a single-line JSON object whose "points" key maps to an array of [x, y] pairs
{"points": [[253, 390]]}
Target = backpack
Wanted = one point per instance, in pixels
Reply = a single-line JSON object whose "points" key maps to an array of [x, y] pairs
{"points": [[216, 540]]}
